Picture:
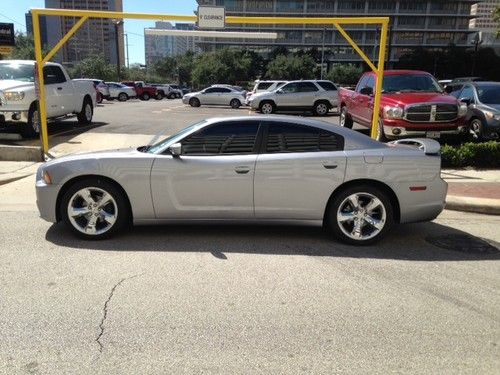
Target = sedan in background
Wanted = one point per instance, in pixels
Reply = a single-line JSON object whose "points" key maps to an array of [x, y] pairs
{"points": [[215, 95], [483, 108], [120, 91], [253, 169]]}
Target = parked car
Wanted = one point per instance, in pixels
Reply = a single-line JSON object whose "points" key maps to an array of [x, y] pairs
{"points": [[120, 91], [483, 114], [237, 88], [144, 92], [316, 95], [176, 90], [162, 90], [456, 84], [64, 97], [217, 95], [249, 169], [261, 86], [185, 90], [100, 86], [413, 104]]}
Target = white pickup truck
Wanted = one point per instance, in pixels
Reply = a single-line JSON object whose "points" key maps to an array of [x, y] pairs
{"points": [[64, 97]]}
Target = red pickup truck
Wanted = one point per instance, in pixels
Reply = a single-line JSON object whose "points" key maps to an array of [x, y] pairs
{"points": [[412, 104], [144, 92]]}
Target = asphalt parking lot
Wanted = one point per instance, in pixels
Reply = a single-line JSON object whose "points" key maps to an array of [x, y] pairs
{"points": [[239, 299]]}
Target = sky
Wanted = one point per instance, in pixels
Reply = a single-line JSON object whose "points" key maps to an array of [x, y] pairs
{"points": [[12, 11]]}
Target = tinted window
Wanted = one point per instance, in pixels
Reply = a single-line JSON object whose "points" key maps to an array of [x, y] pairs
{"points": [[410, 82], [362, 83], [226, 138], [298, 138], [467, 93], [224, 90], [53, 74], [370, 82], [264, 85], [291, 88], [211, 89], [307, 87], [489, 94], [328, 86]]}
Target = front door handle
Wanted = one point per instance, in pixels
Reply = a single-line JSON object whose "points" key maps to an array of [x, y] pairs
{"points": [[59, 88], [242, 169], [330, 166]]}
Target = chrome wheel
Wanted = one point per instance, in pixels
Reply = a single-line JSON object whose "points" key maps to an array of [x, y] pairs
{"points": [[88, 112], [321, 109], [361, 216], [266, 108], [92, 211], [35, 121], [476, 127]]}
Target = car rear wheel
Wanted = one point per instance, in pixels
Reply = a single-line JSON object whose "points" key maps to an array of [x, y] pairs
{"points": [[267, 108], [145, 96], [360, 215], [159, 96], [235, 103], [345, 119], [122, 97], [477, 129], [94, 209], [32, 128], [85, 115], [320, 109], [194, 102]]}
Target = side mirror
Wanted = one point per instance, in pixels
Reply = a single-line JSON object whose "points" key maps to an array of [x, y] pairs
{"points": [[366, 91], [448, 89], [279, 91], [175, 149], [467, 101]]}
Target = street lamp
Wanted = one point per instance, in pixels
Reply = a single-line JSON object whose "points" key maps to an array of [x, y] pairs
{"points": [[117, 23], [476, 42]]}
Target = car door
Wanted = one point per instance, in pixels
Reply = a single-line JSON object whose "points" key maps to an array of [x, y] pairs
{"points": [[213, 176], [365, 102], [59, 92], [210, 96], [308, 93], [225, 96], [297, 170], [288, 95]]}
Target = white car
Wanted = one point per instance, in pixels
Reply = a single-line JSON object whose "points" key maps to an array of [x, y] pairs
{"points": [[120, 91], [218, 95], [18, 99], [263, 86]]}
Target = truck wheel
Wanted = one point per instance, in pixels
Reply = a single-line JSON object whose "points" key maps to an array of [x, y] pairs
{"points": [[345, 119], [145, 96], [122, 97], [380, 132], [32, 128], [85, 115]]}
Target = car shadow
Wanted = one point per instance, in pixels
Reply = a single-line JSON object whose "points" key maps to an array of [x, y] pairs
{"points": [[404, 242]]}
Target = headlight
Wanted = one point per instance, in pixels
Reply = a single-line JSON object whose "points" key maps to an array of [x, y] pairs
{"points": [[14, 96], [393, 112], [492, 115], [462, 109], [46, 177]]}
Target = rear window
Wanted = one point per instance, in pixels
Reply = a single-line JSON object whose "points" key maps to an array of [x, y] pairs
{"points": [[328, 86], [264, 85]]}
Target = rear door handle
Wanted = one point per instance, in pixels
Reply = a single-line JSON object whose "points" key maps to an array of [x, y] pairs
{"points": [[242, 169], [330, 166]]}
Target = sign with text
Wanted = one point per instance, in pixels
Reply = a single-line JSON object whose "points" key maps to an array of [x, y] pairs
{"points": [[6, 50], [7, 34], [211, 17]]}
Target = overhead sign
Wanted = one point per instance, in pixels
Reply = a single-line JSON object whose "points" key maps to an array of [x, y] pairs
{"points": [[6, 50], [211, 17], [7, 34]]}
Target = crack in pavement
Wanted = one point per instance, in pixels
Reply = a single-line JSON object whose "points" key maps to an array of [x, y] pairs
{"points": [[105, 309]]}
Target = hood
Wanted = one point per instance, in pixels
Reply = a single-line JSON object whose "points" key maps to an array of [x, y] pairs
{"points": [[11, 84], [490, 107], [119, 153], [263, 94], [407, 98]]}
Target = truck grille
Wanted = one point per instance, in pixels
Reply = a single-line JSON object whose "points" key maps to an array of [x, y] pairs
{"points": [[431, 112]]}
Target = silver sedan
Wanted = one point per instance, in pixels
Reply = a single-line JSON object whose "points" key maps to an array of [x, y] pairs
{"points": [[249, 169], [215, 95]]}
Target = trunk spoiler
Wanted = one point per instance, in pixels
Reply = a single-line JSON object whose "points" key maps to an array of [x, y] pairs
{"points": [[429, 146]]}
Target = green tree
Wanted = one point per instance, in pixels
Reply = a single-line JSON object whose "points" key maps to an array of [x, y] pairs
{"points": [[166, 68], [291, 67], [185, 66], [25, 47], [346, 74], [94, 67], [496, 18]]}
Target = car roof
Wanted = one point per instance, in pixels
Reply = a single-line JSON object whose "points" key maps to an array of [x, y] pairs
{"points": [[483, 83]]}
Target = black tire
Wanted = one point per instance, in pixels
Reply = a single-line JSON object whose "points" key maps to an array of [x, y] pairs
{"points": [[380, 132], [178, 96], [170, 96], [267, 107], [98, 98], [87, 112], [476, 127], [345, 119], [235, 103], [321, 108], [145, 96], [32, 128], [159, 95], [122, 97], [120, 209], [194, 102], [383, 213]]}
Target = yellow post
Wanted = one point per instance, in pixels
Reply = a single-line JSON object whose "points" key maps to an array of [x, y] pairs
{"points": [[380, 78], [355, 46], [65, 38], [42, 111]]}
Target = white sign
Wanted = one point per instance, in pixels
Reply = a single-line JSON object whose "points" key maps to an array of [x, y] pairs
{"points": [[211, 17]]}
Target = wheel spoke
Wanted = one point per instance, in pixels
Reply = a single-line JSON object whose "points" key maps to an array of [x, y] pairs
{"points": [[376, 223], [374, 203], [87, 196], [345, 216], [105, 199], [78, 211], [356, 231], [354, 200], [90, 228], [108, 218]]}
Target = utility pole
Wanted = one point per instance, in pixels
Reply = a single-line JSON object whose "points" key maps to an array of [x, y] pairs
{"points": [[477, 42], [117, 23], [126, 45], [323, 51]]}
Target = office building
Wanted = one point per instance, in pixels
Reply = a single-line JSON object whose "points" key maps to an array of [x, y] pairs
{"points": [[484, 24], [95, 37]]}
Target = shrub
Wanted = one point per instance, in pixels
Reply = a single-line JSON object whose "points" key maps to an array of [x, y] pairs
{"points": [[479, 155]]}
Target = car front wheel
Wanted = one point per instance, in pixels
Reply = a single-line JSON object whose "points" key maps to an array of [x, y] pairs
{"points": [[360, 215], [235, 103], [477, 129], [267, 108], [145, 96], [345, 120], [194, 102], [94, 209], [320, 109]]}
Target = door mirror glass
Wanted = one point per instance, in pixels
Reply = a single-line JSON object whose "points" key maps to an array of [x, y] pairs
{"points": [[366, 91], [467, 101], [175, 149]]}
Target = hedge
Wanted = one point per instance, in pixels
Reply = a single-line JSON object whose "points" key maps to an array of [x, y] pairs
{"points": [[479, 155]]}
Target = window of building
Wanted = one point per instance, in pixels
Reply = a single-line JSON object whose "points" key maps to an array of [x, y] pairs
{"points": [[289, 6], [382, 5], [412, 6], [320, 5], [259, 5], [351, 5]]}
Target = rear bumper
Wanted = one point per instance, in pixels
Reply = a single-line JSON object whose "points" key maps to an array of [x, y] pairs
{"points": [[423, 205]]}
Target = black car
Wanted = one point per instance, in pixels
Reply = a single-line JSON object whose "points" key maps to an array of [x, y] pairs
{"points": [[483, 115]]}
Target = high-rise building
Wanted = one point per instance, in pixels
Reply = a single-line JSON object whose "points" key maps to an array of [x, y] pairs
{"points": [[431, 24], [158, 46], [95, 37], [484, 24], [43, 27]]}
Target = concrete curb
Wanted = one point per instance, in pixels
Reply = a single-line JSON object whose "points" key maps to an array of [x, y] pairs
{"points": [[21, 153], [469, 204]]}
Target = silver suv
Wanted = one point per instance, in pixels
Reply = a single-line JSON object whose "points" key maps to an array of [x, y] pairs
{"points": [[318, 96]]}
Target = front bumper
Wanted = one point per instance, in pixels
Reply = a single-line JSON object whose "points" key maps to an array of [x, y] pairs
{"points": [[46, 199], [185, 100], [7, 115], [425, 130]]}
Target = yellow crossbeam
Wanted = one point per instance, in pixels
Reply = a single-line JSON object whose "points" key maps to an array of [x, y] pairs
{"points": [[65, 38], [355, 46]]}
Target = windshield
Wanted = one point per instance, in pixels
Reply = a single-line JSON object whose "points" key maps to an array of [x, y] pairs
{"points": [[154, 148], [410, 83], [18, 72], [489, 94]]}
